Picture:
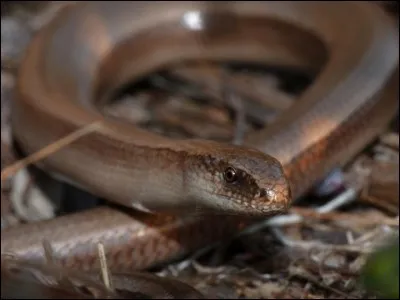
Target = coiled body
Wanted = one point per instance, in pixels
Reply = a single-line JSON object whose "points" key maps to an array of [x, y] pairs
{"points": [[90, 50]]}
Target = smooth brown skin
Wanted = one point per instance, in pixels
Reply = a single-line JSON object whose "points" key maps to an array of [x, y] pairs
{"points": [[353, 46], [121, 162]]}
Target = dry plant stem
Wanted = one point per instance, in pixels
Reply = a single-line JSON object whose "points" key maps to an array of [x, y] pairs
{"points": [[300, 272], [105, 274], [207, 270], [318, 245], [48, 252], [50, 149], [339, 216], [344, 198], [49, 255], [366, 244], [372, 235]]}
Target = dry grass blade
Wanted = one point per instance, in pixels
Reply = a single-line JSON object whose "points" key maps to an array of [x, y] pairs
{"points": [[50, 149], [309, 245], [342, 216], [104, 269], [40, 280], [302, 273]]}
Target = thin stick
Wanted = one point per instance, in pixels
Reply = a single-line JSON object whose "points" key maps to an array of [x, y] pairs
{"points": [[342, 216], [49, 255], [307, 245], [105, 274], [300, 272], [48, 252], [346, 197], [48, 150]]}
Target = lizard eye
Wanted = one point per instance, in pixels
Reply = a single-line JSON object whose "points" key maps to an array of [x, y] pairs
{"points": [[230, 175]]}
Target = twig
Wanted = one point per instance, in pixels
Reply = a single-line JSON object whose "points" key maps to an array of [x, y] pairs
{"points": [[48, 150], [344, 198], [312, 245], [201, 269], [377, 233], [60, 277], [300, 272], [341, 216], [105, 274], [48, 252]]}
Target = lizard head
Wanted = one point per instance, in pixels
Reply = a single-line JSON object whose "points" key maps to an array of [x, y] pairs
{"points": [[235, 180]]}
